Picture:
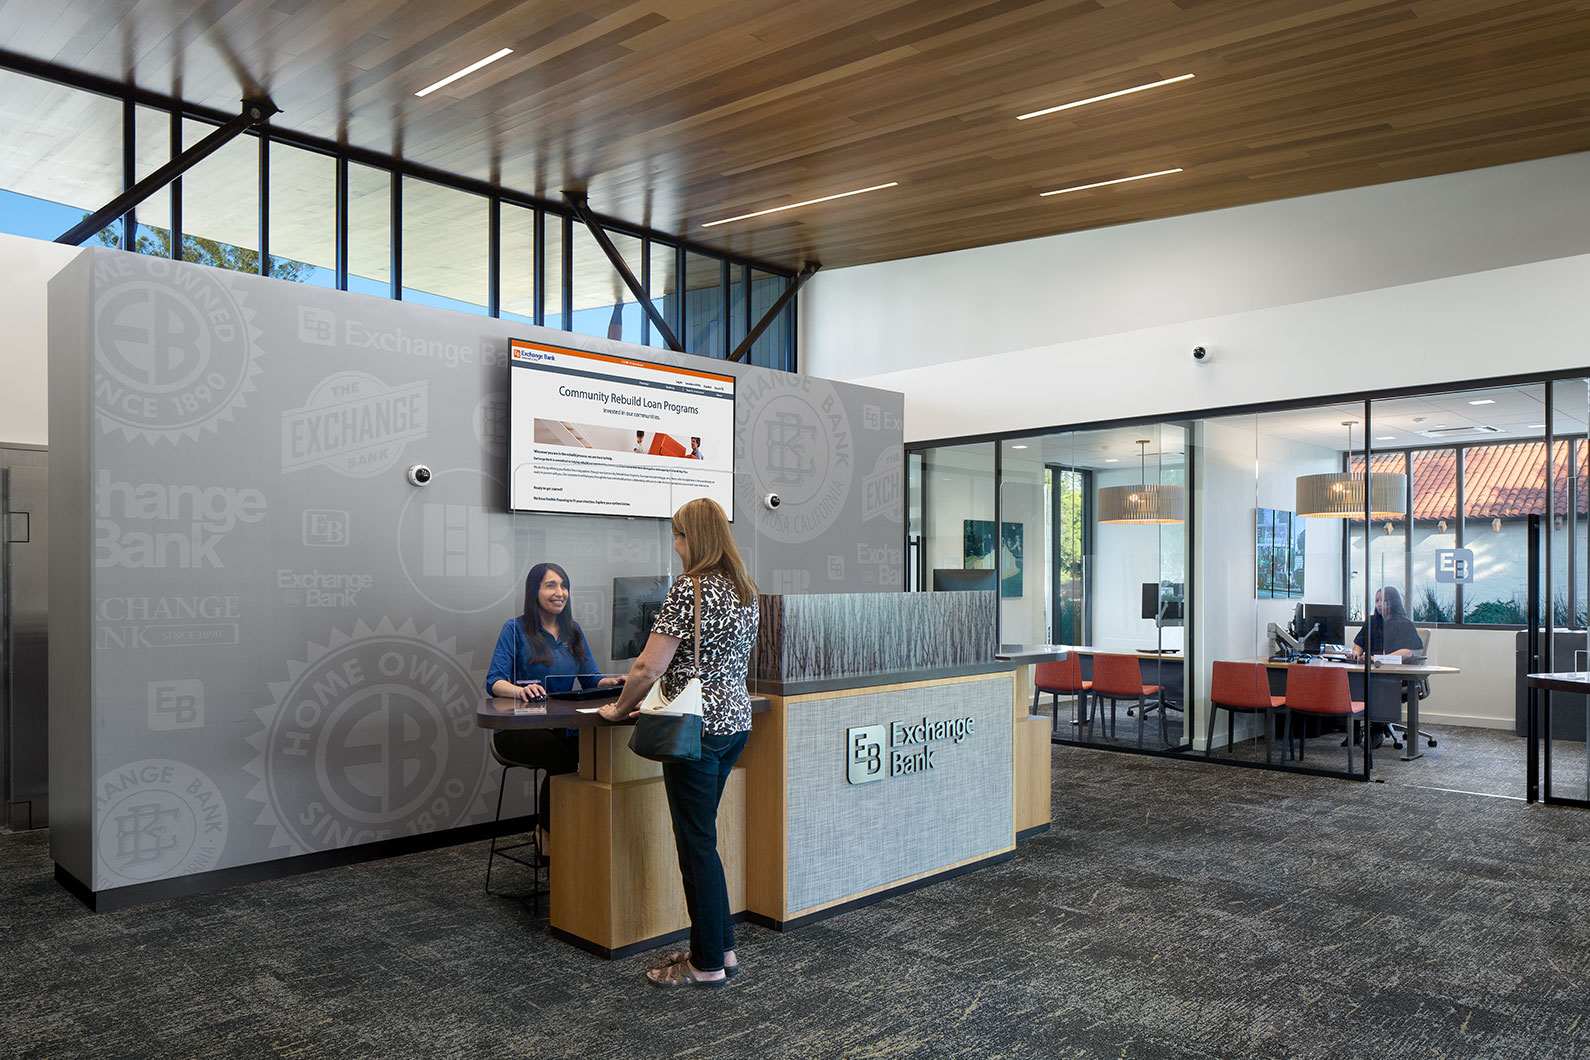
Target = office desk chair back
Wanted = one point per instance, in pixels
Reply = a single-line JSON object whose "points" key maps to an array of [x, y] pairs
{"points": [[534, 862], [1420, 688], [1118, 677], [1063, 678], [1321, 691], [1239, 686]]}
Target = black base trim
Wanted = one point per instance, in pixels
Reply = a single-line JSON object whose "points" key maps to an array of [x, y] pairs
{"points": [[878, 896], [1037, 829], [653, 943], [203, 882]]}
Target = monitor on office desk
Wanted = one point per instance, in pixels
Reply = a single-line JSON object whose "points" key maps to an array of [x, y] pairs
{"points": [[1332, 620], [1162, 603], [953, 579]]}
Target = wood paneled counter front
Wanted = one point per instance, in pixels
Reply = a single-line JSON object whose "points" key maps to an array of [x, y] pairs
{"points": [[615, 874]]}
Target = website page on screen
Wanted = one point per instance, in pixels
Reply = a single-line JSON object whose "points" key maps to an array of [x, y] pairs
{"points": [[591, 433]]}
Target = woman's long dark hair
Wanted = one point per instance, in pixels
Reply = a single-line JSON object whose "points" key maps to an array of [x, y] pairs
{"points": [[569, 633], [1392, 597]]}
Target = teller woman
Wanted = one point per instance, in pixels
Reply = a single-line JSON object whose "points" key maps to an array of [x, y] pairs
{"points": [[538, 652], [728, 627]]}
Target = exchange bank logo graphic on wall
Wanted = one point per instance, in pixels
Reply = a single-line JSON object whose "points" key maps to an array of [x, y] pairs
{"points": [[876, 752], [354, 424], [372, 736], [176, 351], [156, 818], [799, 446], [167, 525], [457, 552]]}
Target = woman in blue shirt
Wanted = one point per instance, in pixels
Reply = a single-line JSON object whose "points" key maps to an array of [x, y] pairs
{"points": [[538, 652]]}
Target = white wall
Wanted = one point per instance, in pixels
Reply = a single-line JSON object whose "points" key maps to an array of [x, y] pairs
{"points": [[26, 265], [1464, 276]]}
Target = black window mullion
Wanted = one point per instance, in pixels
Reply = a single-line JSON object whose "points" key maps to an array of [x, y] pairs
{"points": [[494, 256], [568, 272], [342, 222], [645, 285], [264, 200], [129, 170], [1462, 519], [727, 345], [396, 287], [538, 267], [176, 186]]}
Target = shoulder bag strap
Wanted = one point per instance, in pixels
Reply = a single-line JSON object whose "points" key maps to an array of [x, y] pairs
{"points": [[695, 584]]}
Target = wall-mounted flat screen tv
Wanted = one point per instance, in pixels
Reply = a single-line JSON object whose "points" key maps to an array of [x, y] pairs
{"points": [[597, 434]]}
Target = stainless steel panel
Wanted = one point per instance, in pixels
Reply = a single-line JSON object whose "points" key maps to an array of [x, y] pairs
{"points": [[24, 640]]}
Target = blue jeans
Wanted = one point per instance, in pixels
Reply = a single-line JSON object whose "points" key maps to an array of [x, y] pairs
{"points": [[694, 790]]}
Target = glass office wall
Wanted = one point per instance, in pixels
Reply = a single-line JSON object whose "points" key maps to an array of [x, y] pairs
{"points": [[1566, 758]]}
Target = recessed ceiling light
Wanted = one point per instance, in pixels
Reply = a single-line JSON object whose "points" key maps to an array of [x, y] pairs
{"points": [[1111, 460], [808, 202], [465, 72], [1535, 427], [1483, 401], [1018, 447], [1106, 183], [1385, 437], [1107, 95]]}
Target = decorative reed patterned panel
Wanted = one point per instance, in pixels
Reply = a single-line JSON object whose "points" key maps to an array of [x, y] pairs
{"points": [[809, 638]]}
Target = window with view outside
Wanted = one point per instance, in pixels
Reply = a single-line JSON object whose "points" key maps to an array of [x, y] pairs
{"points": [[1386, 559]]}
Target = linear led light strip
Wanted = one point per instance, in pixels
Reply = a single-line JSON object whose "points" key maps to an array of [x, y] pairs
{"points": [[1107, 183], [465, 72], [808, 202], [1107, 95]]}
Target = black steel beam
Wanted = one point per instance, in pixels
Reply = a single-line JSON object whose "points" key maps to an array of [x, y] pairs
{"points": [[582, 210], [254, 112], [808, 270]]}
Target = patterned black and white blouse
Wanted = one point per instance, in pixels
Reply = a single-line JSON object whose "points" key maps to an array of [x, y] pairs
{"points": [[727, 632]]}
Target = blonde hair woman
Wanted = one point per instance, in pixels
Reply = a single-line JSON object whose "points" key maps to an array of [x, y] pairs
{"points": [[712, 564]]}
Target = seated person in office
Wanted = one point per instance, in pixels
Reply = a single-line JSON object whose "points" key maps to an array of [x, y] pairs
{"points": [[543, 650], [1390, 633]]}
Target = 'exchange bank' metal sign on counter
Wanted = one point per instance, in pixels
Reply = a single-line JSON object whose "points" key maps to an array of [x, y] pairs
{"points": [[909, 746]]}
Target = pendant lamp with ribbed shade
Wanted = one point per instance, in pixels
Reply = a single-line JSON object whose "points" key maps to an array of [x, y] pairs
{"points": [[1145, 502], [1340, 494]]}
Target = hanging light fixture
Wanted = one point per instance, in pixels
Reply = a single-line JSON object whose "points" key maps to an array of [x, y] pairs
{"points": [[1146, 502], [1340, 494]]}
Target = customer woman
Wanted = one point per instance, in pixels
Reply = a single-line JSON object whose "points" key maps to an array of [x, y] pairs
{"points": [[538, 652], [713, 566]]}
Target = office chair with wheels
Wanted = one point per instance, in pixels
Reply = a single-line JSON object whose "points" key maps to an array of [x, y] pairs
{"points": [[536, 861], [1419, 688], [1323, 692], [1243, 687], [1062, 678], [1118, 677]]}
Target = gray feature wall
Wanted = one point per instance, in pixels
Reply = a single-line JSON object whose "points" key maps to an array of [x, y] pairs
{"points": [[284, 640]]}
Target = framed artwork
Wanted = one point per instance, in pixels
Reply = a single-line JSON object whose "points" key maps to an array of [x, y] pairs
{"points": [[978, 552], [1278, 554]]}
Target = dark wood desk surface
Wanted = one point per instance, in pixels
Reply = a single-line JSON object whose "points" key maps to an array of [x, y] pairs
{"points": [[494, 712], [1562, 681]]}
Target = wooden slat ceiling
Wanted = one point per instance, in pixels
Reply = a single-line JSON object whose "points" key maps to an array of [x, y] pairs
{"points": [[677, 112]]}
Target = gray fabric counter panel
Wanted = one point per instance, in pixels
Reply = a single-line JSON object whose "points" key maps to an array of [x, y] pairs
{"points": [[846, 838]]}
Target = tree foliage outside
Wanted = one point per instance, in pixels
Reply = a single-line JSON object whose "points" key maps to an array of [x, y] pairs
{"points": [[156, 242]]}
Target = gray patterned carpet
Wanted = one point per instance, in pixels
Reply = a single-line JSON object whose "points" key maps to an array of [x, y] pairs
{"points": [[1176, 910]]}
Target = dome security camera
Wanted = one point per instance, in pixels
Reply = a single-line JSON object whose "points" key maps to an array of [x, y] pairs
{"points": [[772, 501], [419, 474], [1200, 354]]}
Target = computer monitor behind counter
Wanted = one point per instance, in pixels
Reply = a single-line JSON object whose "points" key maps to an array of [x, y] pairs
{"points": [[1162, 603], [952, 579]]}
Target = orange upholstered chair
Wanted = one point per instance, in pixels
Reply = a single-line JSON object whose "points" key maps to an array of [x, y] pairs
{"points": [[1242, 687], [1321, 691], [1063, 678], [1118, 677]]}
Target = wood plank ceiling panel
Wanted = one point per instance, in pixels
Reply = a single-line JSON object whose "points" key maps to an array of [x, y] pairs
{"points": [[676, 112]]}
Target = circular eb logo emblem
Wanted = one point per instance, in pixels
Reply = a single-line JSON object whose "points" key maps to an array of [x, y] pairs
{"points": [[174, 351], [458, 547], [372, 737], [800, 448], [157, 818]]}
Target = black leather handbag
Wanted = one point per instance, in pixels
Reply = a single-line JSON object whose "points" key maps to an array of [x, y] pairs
{"points": [[670, 730]]}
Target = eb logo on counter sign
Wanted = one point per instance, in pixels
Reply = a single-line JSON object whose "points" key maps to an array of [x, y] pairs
{"points": [[864, 760], [1454, 565]]}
